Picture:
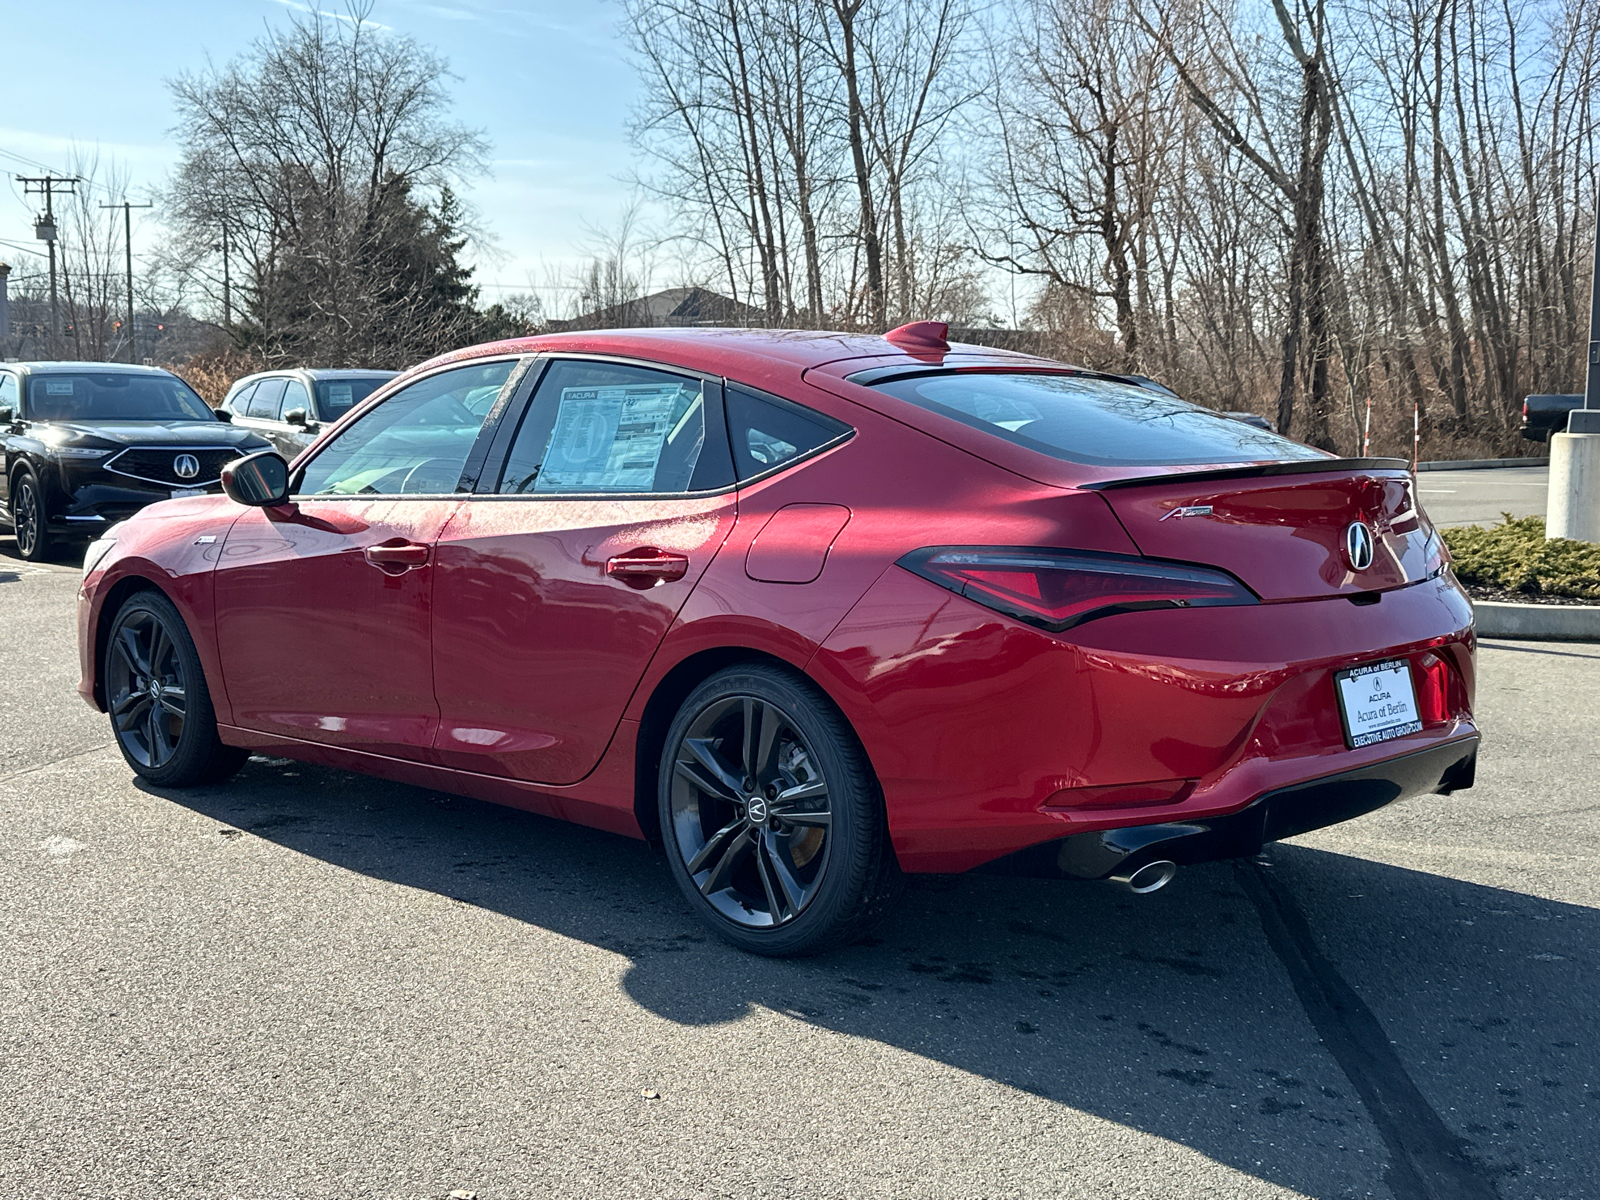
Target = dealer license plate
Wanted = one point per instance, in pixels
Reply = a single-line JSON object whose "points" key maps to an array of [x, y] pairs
{"points": [[185, 493], [1377, 701]]}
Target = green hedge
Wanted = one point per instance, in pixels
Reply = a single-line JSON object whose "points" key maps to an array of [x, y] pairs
{"points": [[1516, 556]]}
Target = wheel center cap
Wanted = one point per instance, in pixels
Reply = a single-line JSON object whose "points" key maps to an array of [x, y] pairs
{"points": [[756, 810], [155, 689]]}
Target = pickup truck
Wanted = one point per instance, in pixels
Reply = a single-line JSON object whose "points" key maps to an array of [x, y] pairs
{"points": [[1544, 415]]}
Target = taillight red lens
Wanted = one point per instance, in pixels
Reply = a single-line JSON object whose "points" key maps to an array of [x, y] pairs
{"points": [[1057, 589], [1440, 692]]}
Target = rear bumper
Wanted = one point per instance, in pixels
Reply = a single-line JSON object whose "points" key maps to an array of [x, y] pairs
{"points": [[1285, 812]]}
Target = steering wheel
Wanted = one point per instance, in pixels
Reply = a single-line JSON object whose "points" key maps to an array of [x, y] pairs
{"points": [[420, 478]]}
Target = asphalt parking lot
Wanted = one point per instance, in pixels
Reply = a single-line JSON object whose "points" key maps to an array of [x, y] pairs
{"points": [[306, 983], [1483, 497]]}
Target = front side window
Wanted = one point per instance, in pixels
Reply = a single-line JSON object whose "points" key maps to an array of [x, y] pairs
{"points": [[1092, 420], [268, 396], [294, 396], [113, 396], [414, 443], [610, 427], [8, 391]]}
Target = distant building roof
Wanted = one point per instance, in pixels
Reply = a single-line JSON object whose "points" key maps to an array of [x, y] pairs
{"points": [[676, 308]]}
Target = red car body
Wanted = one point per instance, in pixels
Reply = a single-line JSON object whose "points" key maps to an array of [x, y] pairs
{"points": [[511, 666]]}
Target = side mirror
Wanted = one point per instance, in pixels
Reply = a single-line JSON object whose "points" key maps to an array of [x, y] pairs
{"points": [[7, 416], [260, 480], [223, 415], [299, 416]]}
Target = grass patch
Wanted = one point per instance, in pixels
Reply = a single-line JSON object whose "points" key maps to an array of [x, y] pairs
{"points": [[1516, 556]]}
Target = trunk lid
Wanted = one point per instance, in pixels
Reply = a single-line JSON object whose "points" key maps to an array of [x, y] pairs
{"points": [[1287, 536]]}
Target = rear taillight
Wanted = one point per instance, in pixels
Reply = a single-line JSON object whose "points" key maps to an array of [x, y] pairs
{"points": [[1057, 589], [1440, 693]]}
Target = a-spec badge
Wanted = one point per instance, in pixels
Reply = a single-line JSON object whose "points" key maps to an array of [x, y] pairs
{"points": [[1188, 510], [1358, 547]]}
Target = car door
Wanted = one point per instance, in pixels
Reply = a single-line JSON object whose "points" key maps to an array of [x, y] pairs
{"points": [[560, 577], [324, 605], [290, 437], [10, 398]]}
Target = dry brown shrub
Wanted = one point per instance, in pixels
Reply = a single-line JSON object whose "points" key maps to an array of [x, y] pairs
{"points": [[212, 372]]}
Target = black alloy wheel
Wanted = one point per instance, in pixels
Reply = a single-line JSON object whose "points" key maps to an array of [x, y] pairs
{"points": [[772, 818], [28, 518], [157, 697]]}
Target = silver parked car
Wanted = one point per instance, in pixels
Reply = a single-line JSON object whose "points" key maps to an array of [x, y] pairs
{"points": [[290, 408]]}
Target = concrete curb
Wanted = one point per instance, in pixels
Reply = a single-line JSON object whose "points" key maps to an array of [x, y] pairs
{"points": [[1538, 622], [1478, 464]]}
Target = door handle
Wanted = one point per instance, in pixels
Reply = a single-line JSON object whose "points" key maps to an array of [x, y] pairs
{"points": [[647, 567], [396, 558]]}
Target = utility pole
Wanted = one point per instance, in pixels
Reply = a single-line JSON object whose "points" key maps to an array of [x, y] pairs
{"points": [[45, 230], [227, 300], [1574, 504], [127, 245]]}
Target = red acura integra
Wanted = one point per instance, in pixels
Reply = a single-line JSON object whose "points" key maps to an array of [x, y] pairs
{"points": [[811, 609]]}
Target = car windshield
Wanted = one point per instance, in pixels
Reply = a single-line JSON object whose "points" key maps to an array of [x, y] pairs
{"points": [[113, 396], [335, 397], [1093, 420]]}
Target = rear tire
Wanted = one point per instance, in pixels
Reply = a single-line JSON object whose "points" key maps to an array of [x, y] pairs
{"points": [[771, 815], [156, 694], [29, 522]]}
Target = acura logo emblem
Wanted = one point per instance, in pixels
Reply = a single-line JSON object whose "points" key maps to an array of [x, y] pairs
{"points": [[186, 466], [1358, 546], [757, 810]]}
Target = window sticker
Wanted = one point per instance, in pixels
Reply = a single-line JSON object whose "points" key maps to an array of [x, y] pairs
{"points": [[339, 394], [58, 387], [610, 438]]}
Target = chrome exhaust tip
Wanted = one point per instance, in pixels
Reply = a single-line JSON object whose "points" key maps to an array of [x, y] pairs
{"points": [[1151, 877]]}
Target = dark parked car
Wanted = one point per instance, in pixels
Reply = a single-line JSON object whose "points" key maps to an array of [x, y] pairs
{"points": [[86, 445], [1544, 415], [291, 408]]}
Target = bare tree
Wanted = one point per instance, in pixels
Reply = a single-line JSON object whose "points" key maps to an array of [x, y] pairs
{"points": [[322, 159]]}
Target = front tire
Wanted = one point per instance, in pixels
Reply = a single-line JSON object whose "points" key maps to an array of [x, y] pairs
{"points": [[30, 525], [772, 817], [155, 689]]}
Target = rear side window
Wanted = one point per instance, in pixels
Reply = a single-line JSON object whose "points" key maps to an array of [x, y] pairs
{"points": [[239, 402], [613, 427], [768, 432], [1084, 419]]}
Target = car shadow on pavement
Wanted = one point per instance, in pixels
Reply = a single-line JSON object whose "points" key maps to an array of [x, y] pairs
{"points": [[1170, 1013]]}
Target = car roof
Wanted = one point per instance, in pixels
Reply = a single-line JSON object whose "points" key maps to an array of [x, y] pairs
{"points": [[778, 355], [77, 368]]}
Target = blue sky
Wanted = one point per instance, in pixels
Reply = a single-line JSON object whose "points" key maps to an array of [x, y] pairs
{"points": [[546, 81]]}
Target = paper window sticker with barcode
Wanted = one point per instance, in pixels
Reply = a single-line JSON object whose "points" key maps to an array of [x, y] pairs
{"points": [[608, 438]]}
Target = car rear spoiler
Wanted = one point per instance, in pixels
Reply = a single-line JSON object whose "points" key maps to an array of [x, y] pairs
{"points": [[1307, 466]]}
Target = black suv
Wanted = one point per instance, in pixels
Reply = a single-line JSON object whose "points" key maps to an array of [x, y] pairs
{"points": [[88, 444]]}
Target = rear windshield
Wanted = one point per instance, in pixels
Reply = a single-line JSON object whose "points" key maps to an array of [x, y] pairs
{"points": [[113, 396], [1084, 419], [335, 397]]}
